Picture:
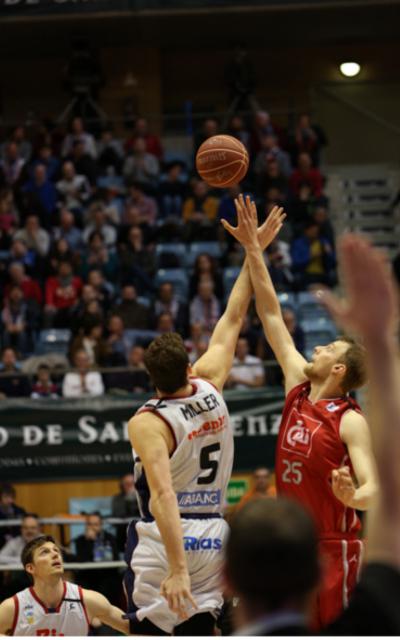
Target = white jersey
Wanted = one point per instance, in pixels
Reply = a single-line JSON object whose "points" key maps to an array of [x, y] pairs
{"points": [[33, 618], [201, 463]]}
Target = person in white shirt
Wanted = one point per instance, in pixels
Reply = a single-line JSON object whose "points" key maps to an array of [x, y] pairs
{"points": [[74, 189], [247, 371], [82, 382], [79, 134], [30, 529]]}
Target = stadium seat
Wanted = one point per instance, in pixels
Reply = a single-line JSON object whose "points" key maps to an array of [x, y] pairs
{"points": [[173, 254], [146, 302], [197, 248], [309, 307], [139, 337], [229, 278], [287, 300], [177, 277], [316, 338], [319, 324], [53, 341]]}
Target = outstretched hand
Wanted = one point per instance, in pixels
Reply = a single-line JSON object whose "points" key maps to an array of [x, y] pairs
{"points": [[371, 306], [247, 232]]}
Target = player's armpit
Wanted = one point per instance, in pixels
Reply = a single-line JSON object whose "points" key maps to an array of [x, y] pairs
{"points": [[355, 434], [7, 611], [98, 606]]}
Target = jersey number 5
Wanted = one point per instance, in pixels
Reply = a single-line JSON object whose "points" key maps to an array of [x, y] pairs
{"points": [[208, 464], [292, 473]]}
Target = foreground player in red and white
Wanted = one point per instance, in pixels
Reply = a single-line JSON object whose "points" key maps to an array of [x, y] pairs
{"points": [[324, 439], [183, 452], [53, 607]]}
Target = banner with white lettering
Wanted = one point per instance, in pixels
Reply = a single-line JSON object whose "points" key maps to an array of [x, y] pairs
{"points": [[41, 439]]}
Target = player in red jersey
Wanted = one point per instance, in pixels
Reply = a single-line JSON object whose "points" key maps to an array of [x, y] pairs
{"points": [[324, 439]]}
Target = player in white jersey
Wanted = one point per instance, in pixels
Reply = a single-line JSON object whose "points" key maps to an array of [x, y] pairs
{"points": [[183, 451], [51, 606]]}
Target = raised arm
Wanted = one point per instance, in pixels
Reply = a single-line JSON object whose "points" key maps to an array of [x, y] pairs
{"points": [[153, 442], [267, 303], [215, 365], [371, 311], [99, 607]]}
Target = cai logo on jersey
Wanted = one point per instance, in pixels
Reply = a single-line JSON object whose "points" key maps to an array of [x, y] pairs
{"points": [[299, 433], [199, 498], [201, 544]]}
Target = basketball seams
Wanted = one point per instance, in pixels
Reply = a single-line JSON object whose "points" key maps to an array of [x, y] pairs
{"points": [[231, 180], [223, 166], [218, 171]]}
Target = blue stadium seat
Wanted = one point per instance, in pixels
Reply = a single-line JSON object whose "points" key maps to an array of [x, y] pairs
{"points": [[229, 278], [141, 337], [53, 341], [177, 277], [146, 302], [317, 338], [197, 248], [177, 250], [309, 308], [287, 300], [319, 324]]}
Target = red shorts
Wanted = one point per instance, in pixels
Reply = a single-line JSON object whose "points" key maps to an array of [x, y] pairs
{"points": [[341, 565]]}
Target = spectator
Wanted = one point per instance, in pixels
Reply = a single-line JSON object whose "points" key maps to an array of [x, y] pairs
{"points": [[168, 302], [153, 144], [60, 252], [99, 257], [44, 387], [263, 487], [99, 225], [196, 337], [279, 265], [173, 190], [272, 179], [237, 129], [82, 382], [8, 212], [78, 134], [124, 505], [30, 287], [48, 160], [8, 511], [201, 205], [41, 195], [88, 311], [205, 268], [270, 150], [141, 166], [84, 163], [137, 261], [145, 206], [98, 545], [306, 174], [165, 323], [19, 137], [321, 217], [74, 189], [34, 236], [134, 380], [90, 341], [68, 230], [209, 128], [313, 258], [19, 252], [247, 371], [12, 383], [10, 553], [205, 308], [110, 152], [307, 138], [227, 209], [262, 127], [11, 166], [118, 344], [20, 321], [133, 314], [62, 294], [103, 290]]}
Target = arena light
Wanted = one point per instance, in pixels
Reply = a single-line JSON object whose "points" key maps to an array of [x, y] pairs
{"points": [[350, 69]]}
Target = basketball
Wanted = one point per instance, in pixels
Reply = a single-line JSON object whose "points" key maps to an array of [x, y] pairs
{"points": [[222, 161]]}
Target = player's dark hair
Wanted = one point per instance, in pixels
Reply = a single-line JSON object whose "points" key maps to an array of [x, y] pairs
{"points": [[272, 554], [30, 548], [166, 360], [356, 364]]}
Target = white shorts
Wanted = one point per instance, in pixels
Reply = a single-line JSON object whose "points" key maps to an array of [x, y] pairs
{"points": [[204, 541]]}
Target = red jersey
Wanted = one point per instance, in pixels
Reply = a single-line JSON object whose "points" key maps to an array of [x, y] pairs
{"points": [[308, 449]]}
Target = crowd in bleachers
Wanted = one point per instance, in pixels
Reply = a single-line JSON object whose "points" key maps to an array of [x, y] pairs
{"points": [[105, 242]]}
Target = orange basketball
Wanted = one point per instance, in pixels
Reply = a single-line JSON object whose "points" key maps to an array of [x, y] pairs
{"points": [[222, 161]]}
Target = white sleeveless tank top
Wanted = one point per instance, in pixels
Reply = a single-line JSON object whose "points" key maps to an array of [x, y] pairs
{"points": [[201, 463], [33, 618]]}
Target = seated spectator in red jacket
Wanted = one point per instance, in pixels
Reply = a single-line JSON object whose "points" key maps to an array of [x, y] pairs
{"points": [[44, 387], [13, 384], [30, 287], [153, 144], [306, 174], [62, 293]]}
